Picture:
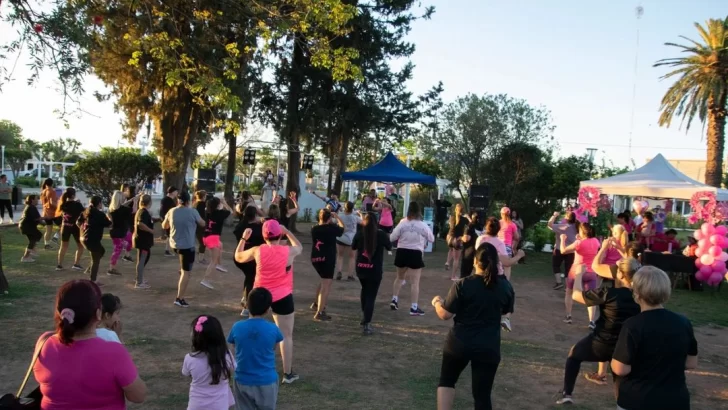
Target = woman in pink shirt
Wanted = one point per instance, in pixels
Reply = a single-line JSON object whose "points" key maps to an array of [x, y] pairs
{"points": [[102, 374], [508, 230], [585, 249], [384, 207], [274, 272]]}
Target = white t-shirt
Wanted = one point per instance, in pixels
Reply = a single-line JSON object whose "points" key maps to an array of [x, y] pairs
{"points": [[350, 223], [107, 334], [412, 234]]}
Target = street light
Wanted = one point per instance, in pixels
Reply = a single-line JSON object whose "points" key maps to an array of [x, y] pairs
{"points": [[590, 154]]}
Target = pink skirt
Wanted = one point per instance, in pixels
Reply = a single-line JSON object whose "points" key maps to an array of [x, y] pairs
{"points": [[212, 241]]}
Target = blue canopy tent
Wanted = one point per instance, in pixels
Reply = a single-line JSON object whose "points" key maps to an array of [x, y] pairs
{"points": [[389, 169]]}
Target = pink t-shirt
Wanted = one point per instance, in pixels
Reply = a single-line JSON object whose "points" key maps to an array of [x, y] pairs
{"points": [[612, 257], [386, 217], [499, 246], [203, 394], [507, 231], [88, 374], [586, 251], [271, 273]]}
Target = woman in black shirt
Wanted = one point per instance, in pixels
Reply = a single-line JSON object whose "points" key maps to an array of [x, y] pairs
{"points": [[92, 223], [28, 225], [216, 212], [248, 221], [70, 210], [458, 225], [200, 204], [143, 239], [654, 349], [370, 243], [121, 218], [469, 239], [323, 258], [616, 305], [477, 303]]}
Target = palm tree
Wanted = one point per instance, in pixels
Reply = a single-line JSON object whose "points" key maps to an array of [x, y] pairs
{"points": [[702, 89]]}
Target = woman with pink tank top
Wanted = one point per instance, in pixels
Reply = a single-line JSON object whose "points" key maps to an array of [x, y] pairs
{"points": [[274, 272]]}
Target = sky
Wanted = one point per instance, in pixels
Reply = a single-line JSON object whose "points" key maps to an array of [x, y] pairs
{"points": [[573, 57]]}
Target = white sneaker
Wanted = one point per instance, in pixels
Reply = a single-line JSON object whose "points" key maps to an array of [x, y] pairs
{"points": [[207, 284], [506, 324], [221, 268]]}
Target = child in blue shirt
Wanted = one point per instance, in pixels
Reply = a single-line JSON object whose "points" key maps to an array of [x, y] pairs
{"points": [[254, 341]]}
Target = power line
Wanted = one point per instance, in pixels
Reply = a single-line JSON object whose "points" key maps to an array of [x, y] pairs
{"points": [[632, 146]]}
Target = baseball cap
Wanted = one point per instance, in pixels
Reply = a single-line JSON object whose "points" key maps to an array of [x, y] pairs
{"points": [[505, 210], [183, 197], [271, 229]]}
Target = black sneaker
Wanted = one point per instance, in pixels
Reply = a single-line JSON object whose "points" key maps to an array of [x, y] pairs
{"points": [[181, 303], [168, 253], [48, 247], [113, 272], [350, 278], [568, 320], [565, 399], [289, 378], [394, 305], [127, 258], [558, 286], [59, 268], [314, 306], [367, 329], [417, 312], [592, 325], [77, 267], [338, 276], [321, 317]]}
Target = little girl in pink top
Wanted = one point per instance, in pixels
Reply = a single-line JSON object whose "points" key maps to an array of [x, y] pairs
{"points": [[210, 365]]}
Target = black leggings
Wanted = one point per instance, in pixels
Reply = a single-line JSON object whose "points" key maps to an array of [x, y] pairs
{"points": [[585, 350], [200, 234], [6, 204], [248, 269], [368, 296], [97, 252], [33, 238], [483, 366]]}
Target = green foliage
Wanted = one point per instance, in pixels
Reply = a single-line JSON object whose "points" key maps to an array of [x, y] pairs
{"points": [[105, 172], [10, 133], [428, 167], [30, 182], [673, 220], [539, 235], [16, 158], [567, 173]]}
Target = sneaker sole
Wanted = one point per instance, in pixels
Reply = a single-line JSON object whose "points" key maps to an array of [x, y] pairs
{"points": [[289, 381], [416, 314], [78, 269], [207, 285], [393, 306], [181, 305]]}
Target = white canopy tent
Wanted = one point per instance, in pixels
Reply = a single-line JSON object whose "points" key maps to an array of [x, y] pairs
{"points": [[656, 179]]}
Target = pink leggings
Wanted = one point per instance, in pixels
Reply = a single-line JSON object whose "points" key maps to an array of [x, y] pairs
{"points": [[119, 245]]}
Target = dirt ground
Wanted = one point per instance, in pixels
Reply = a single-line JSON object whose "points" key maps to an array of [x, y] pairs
{"points": [[397, 368]]}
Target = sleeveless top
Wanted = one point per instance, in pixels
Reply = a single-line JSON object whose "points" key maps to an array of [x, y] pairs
{"points": [[271, 271]]}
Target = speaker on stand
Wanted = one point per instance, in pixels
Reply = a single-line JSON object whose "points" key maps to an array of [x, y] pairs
{"points": [[205, 180], [478, 201]]}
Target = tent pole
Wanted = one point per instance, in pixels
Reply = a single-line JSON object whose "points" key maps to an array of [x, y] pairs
{"points": [[405, 208]]}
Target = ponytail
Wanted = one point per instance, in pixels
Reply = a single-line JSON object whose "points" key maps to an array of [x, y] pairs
{"points": [[487, 262], [65, 197], [77, 304], [94, 204], [370, 233]]}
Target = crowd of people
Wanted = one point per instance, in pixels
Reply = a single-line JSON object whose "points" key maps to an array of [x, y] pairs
{"points": [[647, 347]]}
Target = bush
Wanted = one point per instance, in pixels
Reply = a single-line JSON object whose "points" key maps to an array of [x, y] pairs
{"points": [[30, 182], [673, 220], [539, 235]]}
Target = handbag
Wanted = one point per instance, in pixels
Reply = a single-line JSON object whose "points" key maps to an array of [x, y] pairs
{"points": [[32, 401]]}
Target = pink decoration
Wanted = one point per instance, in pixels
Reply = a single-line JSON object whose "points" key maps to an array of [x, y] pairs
{"points": [[721, 229], [703, 211], [723, 257], [703, 244], [698, 264], [699, 252], [638, 206], [582, 218], [707, 259], [707, 229], [698, 234], [705, 269], [715, 251], [701, 276], [588, 200], [715, 279]]}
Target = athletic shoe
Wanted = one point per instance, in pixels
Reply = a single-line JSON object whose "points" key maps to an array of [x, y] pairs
{"points": [[168, 253], [367, 329], [142, 285], [417, 312], [77, 267], [245, 313], [314, 306], [113, 272], [321, 317], [27, 260], [338, 276], [289, 378], [558, 286], [221, 268], [59, 268], [600, 379], [567, 320], [207, 284], [506, 324], [592, 325], [127, 258], [447, 266], [350, 279], [181, 303], [394, 305], [565, 399], [203, 261], [55, 239], [48, 247]]}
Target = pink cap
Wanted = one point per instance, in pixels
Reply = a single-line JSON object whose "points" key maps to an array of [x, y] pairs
{"points": [[271, 229], [505, 210]]}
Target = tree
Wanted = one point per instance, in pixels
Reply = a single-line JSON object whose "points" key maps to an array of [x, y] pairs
{"points": [[174, 65], [701, 89], [427, 166], [103, 173], [16, 158], [10, 133], [567, 174]]}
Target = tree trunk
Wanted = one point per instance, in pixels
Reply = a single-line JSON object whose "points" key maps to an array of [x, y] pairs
{"points": [[343, 159], [292, 129], [4, 286], [715, 140], [176, 133], [230, 171]]}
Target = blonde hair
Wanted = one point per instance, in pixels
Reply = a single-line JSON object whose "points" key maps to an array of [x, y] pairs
{"points": [[622, 235], [117, 201], [628, 267], [651, 285]]}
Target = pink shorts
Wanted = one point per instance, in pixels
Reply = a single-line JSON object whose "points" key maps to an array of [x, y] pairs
{"points": [[212, 241]]}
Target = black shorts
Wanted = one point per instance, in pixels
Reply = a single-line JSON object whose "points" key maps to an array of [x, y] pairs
{"points": [[409, 258], [558, 258], [186, 258], [325, 269], [455, 243], [68, 231], [55, 221], [338, 242], [283, 306], [387, 229]]}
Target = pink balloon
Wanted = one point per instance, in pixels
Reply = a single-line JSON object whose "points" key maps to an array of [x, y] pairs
{"points": [[716, 277], [707, 259], [714, 239], [719, 269], [715, 251], [723, 257], [707, 229], [701, 276], [698, 264], [717, 265], [704, 244], [705, 269], [698, 234], [638, 206], [721, 230], [699, 252]]}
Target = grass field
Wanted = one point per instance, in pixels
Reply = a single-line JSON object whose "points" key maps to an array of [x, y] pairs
{"points": [[397, 368]]}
